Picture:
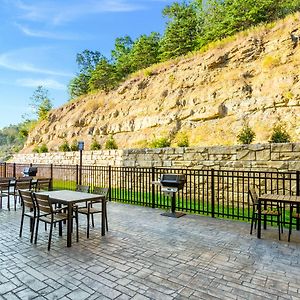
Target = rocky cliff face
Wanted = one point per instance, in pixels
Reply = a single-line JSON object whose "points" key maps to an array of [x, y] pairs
{"points": [[254, 78]]}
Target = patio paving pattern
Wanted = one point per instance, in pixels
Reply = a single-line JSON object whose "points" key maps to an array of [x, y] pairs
{"points": [[148, 256]]}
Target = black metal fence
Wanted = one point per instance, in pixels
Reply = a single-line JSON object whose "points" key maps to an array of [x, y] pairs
{"points": [[218, 193]]}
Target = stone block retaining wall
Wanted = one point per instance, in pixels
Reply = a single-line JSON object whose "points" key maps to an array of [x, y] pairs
{"points": [[284, 157]]}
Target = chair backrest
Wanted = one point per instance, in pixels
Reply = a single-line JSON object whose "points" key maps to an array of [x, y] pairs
{"points": [[82, 188], [43, 204], [43, 184], [23, 183], [27, 199], [101, 191], [4, 184], [253, 195]]}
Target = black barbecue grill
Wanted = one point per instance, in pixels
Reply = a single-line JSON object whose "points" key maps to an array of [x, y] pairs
{"points": [[29, 171], [170, 185]]}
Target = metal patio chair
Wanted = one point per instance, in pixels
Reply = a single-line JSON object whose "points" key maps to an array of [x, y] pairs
{"points": [[94, 207], [268, 211]]}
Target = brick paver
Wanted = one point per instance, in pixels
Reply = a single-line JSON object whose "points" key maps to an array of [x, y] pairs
{"points": [[148, 256]]}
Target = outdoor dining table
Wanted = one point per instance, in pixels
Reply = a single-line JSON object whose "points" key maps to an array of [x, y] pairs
{"points": [[285, 199], [70, 198]]}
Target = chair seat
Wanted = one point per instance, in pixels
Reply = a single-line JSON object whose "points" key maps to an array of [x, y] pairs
{"points": [[85, 210], [269, 212], [56, 217]]}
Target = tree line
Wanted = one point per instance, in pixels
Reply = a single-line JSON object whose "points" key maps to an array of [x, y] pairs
{"points": [[190, 26]]}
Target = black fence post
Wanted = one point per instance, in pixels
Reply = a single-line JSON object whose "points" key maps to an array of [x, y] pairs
{"points": [[51, 175], [212, 193], [298, 183], [14, 170], [109, 182], [5, 175], [152, 186], [297, 194], [77, 175]]}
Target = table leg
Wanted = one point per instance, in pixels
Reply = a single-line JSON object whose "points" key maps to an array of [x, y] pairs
{"points": [[103, 216], [259, 219], [69, 227]]}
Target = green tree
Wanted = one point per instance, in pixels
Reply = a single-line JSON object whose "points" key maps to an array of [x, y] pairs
{"points": [[87, 61], [79, 85], [145, 51], [41, 104], [64, 147], [74, 145], [104, 77], [246, 135], [95, 145], [220, 19], [280, 134], [121, 56], [111, 143], [180, 35]]}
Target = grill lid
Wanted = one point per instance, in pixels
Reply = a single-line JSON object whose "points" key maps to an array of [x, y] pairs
{"points": [[30, 171], [173, 180]]}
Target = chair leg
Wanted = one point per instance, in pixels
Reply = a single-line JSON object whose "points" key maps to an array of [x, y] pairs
{"points": [[291, 223], [88, 226], [15, 202], [36, 230], [21, 226], [50, 236], [279, 225], [93, 224], [106, 221], [77, 234], [252, 221], [32, 223]]}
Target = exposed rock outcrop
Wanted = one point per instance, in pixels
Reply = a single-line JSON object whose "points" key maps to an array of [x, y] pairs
{"points": [[254, 77]]}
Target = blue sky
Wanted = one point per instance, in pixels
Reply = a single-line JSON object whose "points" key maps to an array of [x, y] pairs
{"points": [[39, 40]]}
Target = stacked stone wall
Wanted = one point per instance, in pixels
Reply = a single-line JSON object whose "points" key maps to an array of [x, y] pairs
{"points": [[282, 157]]}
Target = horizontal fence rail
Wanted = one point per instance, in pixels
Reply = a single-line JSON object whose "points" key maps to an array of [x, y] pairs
{"points": [[218, 193]]}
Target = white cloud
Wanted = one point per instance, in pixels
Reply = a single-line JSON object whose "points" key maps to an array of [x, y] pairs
{"points": [[47, 83], [47, 34], [16, 60], [57, 12]]}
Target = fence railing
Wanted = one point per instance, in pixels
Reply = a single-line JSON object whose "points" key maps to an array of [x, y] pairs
{"points": [[218, 193]]}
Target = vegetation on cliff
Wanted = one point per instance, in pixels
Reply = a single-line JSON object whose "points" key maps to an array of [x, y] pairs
{"points": [[190, 26]]}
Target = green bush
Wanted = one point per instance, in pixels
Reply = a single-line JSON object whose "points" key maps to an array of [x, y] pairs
{"points": [[246, 135], [182, 139], [43, 148], [162, 142], [95, 145], [111, 143], [74, 146], [280, 135], [36, 149], [64, 147]]}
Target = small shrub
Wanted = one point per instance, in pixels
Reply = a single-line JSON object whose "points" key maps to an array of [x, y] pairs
{"points": [[182, 139], [74, 146], [162, 142], [172, 78], [36, 149], [95, 145], [148, 72], [246, 135], [64, 147], [280, 135], [270, 62], [111, 143], [43, 148]]}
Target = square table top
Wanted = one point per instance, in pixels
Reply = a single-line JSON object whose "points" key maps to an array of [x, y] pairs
{"points": [[67, 196]]}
